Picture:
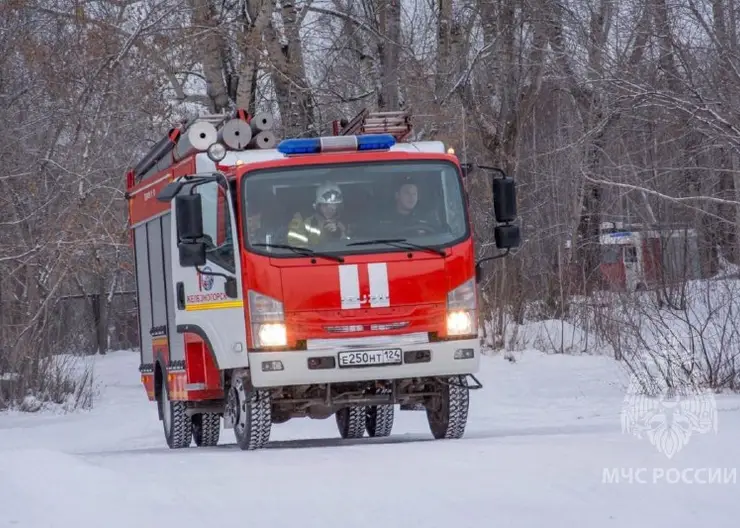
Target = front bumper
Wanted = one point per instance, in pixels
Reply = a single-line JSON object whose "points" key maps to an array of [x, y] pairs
{"points": [[432, 359]]}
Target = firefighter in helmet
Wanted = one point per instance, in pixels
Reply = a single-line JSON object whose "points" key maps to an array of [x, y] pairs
{"points": [[324, 224]]}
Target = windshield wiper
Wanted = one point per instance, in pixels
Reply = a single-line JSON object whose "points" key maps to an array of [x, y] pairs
{"points": [[302, 251], [399, 243]]}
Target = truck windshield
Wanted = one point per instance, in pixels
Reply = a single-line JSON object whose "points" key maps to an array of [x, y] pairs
{"points": [[354, 208]]}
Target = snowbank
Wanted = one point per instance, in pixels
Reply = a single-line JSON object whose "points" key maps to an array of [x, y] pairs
{"points": [[540, 436]]}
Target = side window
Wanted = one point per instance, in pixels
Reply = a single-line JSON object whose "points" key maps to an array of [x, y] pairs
{"points": [[610, 254], [454, 200], [217, 225]]}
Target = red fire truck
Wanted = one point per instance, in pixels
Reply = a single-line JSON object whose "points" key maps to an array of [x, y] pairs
{"points": [[636, 257], [315, 277]]}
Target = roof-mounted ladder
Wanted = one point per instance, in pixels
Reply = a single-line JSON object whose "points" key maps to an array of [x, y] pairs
{"points": [[397, 123]]}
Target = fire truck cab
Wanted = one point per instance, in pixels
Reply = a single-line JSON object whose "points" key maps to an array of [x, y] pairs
{"points": [[324, 276]]}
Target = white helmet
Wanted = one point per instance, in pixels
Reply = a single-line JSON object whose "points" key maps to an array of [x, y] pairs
{"points": [[328, 193]]}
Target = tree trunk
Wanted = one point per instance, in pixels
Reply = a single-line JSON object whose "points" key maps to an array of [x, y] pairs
{"points": [[289, 74], [254, 20], [389, 48], [211, 53]]}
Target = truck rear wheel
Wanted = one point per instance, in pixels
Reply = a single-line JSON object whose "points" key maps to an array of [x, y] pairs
{"points": [[206, 429], [447, 412], [351, 421], [379, 418], [250, 412], [175, 421]]}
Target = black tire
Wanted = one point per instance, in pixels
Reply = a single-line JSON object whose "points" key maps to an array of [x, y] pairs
{"points": [[251, 414], [447, 413], [206, 429], [379, 418], [351, 421], [176, 423]]}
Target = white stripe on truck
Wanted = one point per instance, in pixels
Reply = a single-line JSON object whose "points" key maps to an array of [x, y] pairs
{"points": [[349, 286], [379, 293]]}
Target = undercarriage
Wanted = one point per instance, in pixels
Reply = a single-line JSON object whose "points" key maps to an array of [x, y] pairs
{"points": [[322, 400], [358, 408]]}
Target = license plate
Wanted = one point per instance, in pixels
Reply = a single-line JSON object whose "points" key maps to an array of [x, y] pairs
{"points": [[368, 358]]}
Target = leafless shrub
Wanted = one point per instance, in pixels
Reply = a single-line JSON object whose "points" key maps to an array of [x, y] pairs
{"points": [[59, 382], [703, 332], [694, 338], [581, 330]]}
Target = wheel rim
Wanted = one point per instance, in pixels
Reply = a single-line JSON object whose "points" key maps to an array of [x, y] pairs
{"points": [[439, 412], [342, 417], [238, 398], [196, 426], [232, 406], [167, 415], [371, 420]]}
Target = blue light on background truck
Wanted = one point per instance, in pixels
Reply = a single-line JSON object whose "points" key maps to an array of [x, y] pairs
{"points": [[336, 144]]}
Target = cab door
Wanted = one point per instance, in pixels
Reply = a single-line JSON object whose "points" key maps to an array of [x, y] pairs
{"points": [[208, 298]]}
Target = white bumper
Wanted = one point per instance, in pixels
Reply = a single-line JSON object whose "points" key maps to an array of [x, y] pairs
{"points": [[295, 364]]}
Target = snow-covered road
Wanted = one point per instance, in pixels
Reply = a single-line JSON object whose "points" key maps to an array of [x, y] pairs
{"points": [[541, 435]]}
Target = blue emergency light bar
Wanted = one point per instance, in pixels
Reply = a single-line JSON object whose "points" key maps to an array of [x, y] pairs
{"points": [[336, 144]]}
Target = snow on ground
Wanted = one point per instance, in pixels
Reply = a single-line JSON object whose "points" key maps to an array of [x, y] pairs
{"points": [[541, 434]]}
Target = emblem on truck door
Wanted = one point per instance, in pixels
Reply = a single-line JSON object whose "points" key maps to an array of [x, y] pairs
{"points": [[205, 282]]}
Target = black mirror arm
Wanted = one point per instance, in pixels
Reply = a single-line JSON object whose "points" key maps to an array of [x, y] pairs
{"points": [[213, 273], [172, 189], [469, 167], [479, 268], [500, 255]]}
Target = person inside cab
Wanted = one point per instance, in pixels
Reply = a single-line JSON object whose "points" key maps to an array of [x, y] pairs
{"points": [[405, 214], [324, 224], [261, 209]]}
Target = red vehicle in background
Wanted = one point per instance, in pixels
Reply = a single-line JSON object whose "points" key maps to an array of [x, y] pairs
{"points": [[322, 276], [635, 257]]}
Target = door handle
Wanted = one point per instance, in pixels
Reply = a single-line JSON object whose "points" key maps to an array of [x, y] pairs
{"points": [[180, 295]]}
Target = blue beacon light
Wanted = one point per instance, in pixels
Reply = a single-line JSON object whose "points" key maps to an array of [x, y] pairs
{"points": [[336, 144]]}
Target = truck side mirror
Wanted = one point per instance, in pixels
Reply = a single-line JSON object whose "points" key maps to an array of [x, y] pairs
{"points": [[507, 236], [504, 199], [192, 254], [189, 211]]}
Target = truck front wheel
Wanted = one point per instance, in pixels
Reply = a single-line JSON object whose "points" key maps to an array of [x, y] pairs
{"points": [[447, 412], [249, 410], [351, 421]]}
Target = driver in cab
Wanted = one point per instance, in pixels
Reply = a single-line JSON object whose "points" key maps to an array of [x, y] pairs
{"points": [[405, 215], [322, 225]]}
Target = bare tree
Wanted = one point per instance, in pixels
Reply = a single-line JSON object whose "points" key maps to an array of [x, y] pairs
{"points": [[604, 112]]}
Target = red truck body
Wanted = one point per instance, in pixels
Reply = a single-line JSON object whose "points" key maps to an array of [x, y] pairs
{"points": [[253, 310]]}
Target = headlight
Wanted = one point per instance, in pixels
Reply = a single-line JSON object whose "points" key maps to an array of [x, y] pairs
{"points": [[459, 323], [268, 321], [272, 334], [462, 302]]}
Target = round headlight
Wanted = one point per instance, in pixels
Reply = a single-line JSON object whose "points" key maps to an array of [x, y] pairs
{"points": [[216, 152]]}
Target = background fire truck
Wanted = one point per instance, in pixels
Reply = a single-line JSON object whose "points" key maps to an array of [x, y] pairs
{"points": [[245, 325], [636, 257]]}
